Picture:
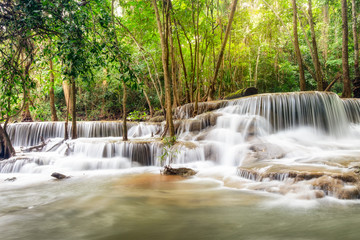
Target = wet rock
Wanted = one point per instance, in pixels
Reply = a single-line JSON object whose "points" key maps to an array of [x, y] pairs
{"points": [[261, 151], [283, 174], [197, 124], [188, 145], [327, 184], [59, 175], [157, 119], [184, 172], [319, 194], [352, 192], [10, 179], [337, 188], [346, 177], [242, 93], [342, 185], [186, 111]]}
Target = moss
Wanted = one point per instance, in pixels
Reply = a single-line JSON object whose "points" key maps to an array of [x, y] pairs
{"points": [[236, 94]]}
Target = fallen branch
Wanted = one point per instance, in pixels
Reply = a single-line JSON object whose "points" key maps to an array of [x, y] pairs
{"points": [[338, 76], [38, 148], [55, 145]]}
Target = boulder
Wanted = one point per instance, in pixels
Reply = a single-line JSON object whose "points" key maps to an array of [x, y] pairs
{"points": [[242, 93], [184, 172], [157, 119], [59, 175]]}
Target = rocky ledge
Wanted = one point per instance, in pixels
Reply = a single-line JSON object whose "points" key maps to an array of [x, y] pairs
{"points": [[342, 183]]}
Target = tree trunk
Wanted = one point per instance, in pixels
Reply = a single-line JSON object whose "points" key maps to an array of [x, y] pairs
{"points": [[356, 82], [173, 70], [67, 95], [187, 94], [73, 113], [26, 115], [297, 48], [157, 85], [165, 62], [151, 109], [27, 61], [320, 82], [356, 42], [197, 61], [125, 132], [51, 93], [6, 148], [256, 66], [326, 32], [66, 132], [345, 52], [211, 89], [188, 83]]}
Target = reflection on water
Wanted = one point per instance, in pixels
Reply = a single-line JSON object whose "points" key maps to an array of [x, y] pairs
{"points": [[150, 206]]}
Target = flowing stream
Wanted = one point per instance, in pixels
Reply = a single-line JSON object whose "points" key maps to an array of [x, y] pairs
{"points": [[270, 166]]}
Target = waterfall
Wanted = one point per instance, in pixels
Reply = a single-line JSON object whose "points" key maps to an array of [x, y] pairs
{"points": [[352, 109], [321, 110], [32, 133], [233, 133]]}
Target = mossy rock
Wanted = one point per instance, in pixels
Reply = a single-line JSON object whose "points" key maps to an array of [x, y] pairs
{"points": [[242, 93]]}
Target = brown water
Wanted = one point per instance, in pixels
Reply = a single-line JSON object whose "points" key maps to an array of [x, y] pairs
{"points": [[150, 206]]}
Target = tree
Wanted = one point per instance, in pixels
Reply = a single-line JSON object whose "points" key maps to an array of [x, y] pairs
{"points": [[51, 92], [297, 48], [221, 54], [16, 57], [164, 36], [345, 52], [356, 82], [319, 78], [6, 148]]}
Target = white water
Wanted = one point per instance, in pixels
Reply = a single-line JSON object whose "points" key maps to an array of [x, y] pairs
{"points": [[312, 131]]}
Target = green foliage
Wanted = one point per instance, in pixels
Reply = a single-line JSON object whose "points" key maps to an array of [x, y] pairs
{"points": [[137, 115], [168, 151], [102, 44]]}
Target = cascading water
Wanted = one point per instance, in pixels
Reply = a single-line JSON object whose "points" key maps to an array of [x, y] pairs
{"points": [[30, 134], [273, 138]]}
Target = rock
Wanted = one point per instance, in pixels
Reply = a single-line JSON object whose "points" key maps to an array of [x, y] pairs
{"points": [[196, 124], [10, 179], [337, 188], [327, 184], [184, 172], [59, 175], [186, 111], [264, 151], [319, 194], [157, 119], [242, 93]]}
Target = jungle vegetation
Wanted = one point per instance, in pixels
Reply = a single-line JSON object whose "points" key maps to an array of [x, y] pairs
{"points": [[74, 60]]}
